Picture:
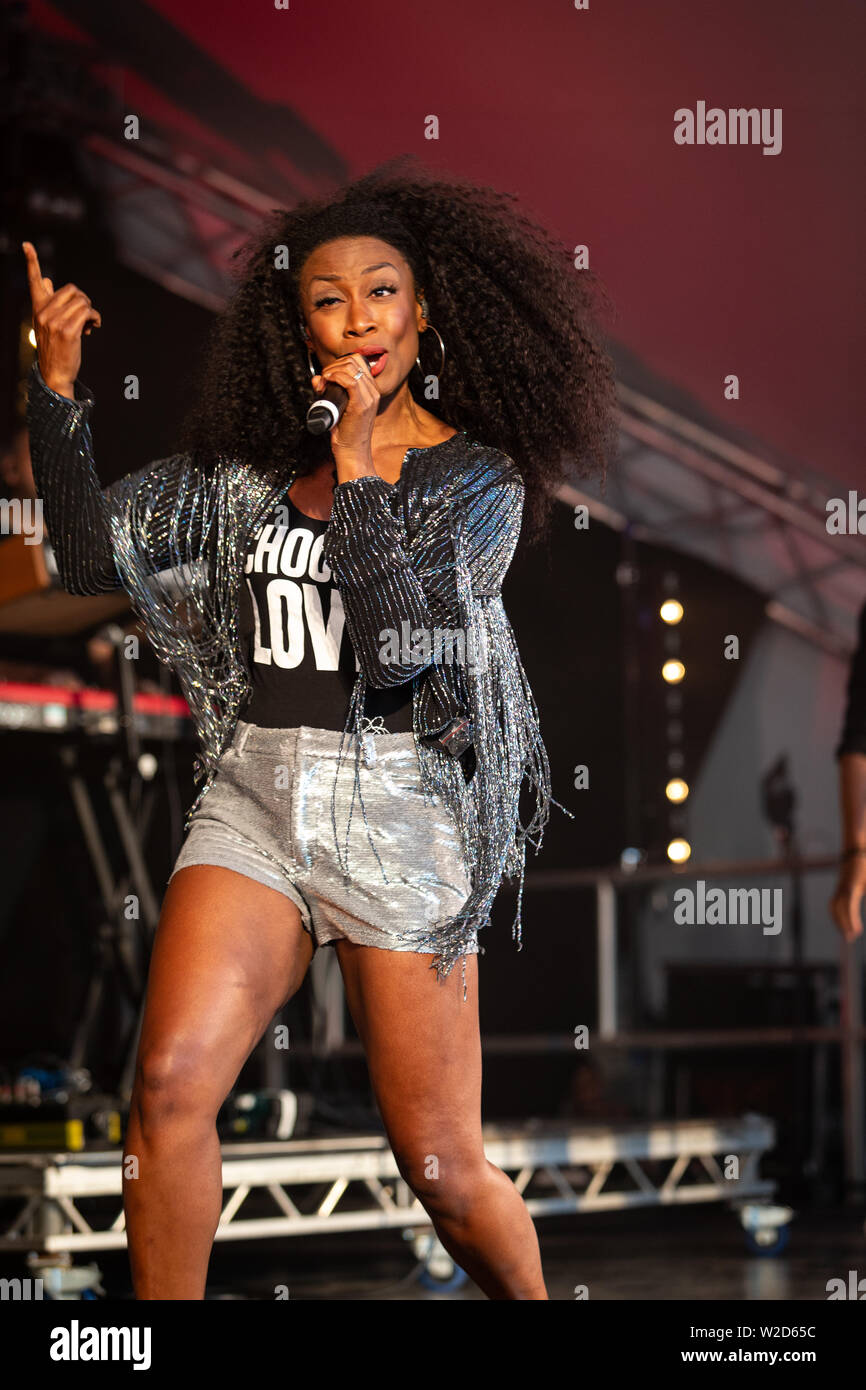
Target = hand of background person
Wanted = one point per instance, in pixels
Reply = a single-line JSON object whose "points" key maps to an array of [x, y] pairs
{"points": [[846, 902]]}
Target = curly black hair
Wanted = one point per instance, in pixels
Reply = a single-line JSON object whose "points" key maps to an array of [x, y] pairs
{"points": [[519, 322]]}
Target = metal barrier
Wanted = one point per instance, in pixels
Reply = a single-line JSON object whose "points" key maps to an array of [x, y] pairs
{"points": [[850, 1033]]}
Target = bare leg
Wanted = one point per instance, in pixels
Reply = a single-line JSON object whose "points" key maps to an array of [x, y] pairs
{"points": [[424, 1054], [228, 954]]}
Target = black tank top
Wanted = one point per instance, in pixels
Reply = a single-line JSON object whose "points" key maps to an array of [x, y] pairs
{"points": [[301, 660]]}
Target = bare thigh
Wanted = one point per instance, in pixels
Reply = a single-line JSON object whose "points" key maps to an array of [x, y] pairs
{"points": [[228, 953], [423, 1048]]}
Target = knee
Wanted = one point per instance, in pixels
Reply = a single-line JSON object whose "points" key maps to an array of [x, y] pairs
{"points": [[447, 1183], [174, 1084]]}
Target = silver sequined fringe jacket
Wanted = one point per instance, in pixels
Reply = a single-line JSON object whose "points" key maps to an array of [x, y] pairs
{"points": [[424, 555]]}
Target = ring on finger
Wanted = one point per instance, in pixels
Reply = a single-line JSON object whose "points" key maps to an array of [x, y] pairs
{"points": [[359, 373]]}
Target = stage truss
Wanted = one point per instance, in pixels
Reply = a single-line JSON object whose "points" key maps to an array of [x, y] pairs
{"points": [[353, 1183]]}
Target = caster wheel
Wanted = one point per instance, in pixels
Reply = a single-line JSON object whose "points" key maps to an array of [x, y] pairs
{"points": [[437, 1284], [439, 1273], [768, 1241]]}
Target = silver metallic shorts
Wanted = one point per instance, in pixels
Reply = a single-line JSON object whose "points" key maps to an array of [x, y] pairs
{"points": [[268, 815]]}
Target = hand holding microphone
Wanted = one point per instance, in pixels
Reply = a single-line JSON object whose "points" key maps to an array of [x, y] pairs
{"points": [[326, 412], [347, 403]]}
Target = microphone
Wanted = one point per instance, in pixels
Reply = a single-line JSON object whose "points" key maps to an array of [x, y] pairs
{"points": [[327, 409]]}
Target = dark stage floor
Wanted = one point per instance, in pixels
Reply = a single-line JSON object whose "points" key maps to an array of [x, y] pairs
{"points": [[678, 1254]]}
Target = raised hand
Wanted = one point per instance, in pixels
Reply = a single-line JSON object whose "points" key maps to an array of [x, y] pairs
{"points": [[59, 319]]}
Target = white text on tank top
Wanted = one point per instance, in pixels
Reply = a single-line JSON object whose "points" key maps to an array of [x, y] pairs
{"points": [[293, 611]]}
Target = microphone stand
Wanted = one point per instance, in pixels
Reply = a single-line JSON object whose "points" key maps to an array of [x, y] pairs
{"points": [[121, 944]]}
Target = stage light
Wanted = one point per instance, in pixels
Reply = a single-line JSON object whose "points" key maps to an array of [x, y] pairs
{"points": [[677, 789], [673, 671], [679, 851], [671, 611], [631, 857]]}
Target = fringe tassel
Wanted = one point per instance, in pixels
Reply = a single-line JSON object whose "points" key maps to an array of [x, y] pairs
{"points": [[190, 610], [509, 751]]}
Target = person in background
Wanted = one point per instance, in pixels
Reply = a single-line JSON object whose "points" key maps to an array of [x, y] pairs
{"points": [[845, 904]]}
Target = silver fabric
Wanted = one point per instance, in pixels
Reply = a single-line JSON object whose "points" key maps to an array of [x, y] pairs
{"points": [[267, 815], [427, 553]]}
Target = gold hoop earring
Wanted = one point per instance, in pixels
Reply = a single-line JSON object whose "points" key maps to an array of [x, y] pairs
{"points": [[313, 371], [431, 329]]}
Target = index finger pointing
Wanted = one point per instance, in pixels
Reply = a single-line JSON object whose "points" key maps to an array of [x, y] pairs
{"points": [[38, 286]]}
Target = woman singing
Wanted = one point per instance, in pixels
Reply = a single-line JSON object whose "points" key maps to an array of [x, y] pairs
{"points": [[332, 608]]}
